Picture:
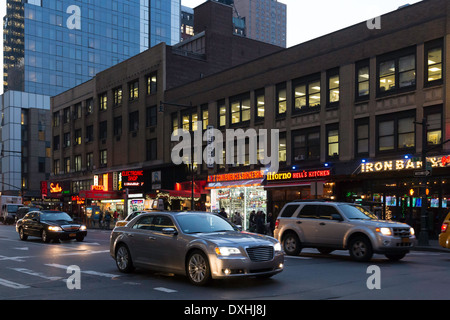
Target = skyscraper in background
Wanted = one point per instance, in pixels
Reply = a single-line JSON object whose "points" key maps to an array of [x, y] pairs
{"points": [[51, 46], [54, 45]]}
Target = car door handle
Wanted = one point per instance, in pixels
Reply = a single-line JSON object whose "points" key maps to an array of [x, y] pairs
{"points": [[322, 223], [129, 235], [299, 222], [152, 238]]}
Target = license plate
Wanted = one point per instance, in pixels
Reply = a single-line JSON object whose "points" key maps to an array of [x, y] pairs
{"points": [[72, 235], [405, 240]]}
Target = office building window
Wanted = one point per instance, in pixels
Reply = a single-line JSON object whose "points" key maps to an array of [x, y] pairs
{"points": [[77, 163], [67, 165], [222, 113], [103, 101], [103, 158], [205, 116], [259, 105], [240, 109], [89, 106], [133, 90], [175, 125], [395, 132], [133, 121], [282, 147], [77, 138], [333, 87], [306, 93], [89, 161], [66, 115], [397, 72], [56, 142], [56, 167], [362, 136], [117, 126], [56, 119], [362, 80], [189, 121], [281, 103], [77, 111], [151, 83], [89, 133], [103, 130], [117, 92], [333, 141], [306, 145], [150, 116], [433, 63], [66, 140], [434, 125]]}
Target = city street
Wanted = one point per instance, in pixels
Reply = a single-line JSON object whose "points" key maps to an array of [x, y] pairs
{"points": [[35, 270]]}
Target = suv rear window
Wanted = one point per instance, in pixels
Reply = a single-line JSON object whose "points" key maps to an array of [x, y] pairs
{"points": [[289, 211]]}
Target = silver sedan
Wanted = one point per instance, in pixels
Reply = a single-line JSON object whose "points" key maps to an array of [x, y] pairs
{"points": [[200, 245]]}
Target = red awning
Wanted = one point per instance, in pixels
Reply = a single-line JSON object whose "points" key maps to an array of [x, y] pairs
{"points": [[234, 184]]}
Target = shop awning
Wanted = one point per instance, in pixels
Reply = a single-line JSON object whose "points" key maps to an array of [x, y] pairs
{"points": [[234, 184]]}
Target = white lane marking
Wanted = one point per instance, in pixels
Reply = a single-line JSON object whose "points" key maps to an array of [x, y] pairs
{"points": [[17, 259], [94, 273], [22, 248], [36, 274], [13, 285], [165, 290], [298, 257]]}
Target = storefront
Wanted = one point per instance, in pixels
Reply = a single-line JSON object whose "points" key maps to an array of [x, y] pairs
{"points": [[283, 187], [396, 186], [238, 193]]}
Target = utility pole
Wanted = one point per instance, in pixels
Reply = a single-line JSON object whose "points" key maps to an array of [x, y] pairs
{"points": [[423, 235]]}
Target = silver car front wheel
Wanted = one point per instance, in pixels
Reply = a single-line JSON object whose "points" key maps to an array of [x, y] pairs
{"points": [[197, 267]]}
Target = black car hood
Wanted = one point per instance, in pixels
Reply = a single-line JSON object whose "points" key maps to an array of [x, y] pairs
{"points": [[61, 223]]}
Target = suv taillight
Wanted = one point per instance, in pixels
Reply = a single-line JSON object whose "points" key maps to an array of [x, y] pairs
{"points": [[444, 227], [277, 222]]}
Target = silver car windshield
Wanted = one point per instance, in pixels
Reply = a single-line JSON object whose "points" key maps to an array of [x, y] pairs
{"points": [[356, 212], [203, 223]]}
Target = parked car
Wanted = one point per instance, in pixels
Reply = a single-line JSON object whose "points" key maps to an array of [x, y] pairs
{"points": [[9, 211], [444, 236], [330, 226], [199, 245], [48, 225]]}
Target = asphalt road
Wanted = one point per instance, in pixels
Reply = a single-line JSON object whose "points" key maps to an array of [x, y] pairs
{"points": [[34, 270]]}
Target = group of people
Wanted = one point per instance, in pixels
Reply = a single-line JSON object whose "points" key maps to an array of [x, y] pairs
{"points": [[104, 219], [257, 221]]}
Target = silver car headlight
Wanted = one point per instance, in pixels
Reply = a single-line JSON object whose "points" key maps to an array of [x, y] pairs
{"points": [[227, 251], [277, 247]]}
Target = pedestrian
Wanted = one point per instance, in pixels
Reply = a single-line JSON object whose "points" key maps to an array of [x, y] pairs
{"points": [[107, 220], [100, 219], [270, 223], [223, 213], [260, 223], [252, 221], [115, 216], [237, 219]]}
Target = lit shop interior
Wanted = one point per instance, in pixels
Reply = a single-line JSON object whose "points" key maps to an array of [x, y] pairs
{"points": [[242, 196]]}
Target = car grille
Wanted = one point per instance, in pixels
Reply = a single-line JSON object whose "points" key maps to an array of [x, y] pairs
{"points": [[259, 254], [401, 232], [70, 228]]}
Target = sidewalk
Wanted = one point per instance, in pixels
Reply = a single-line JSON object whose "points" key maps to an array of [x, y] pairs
{"points": [[433, 246]]}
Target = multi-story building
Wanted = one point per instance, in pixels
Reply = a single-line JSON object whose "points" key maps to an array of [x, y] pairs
{"points": [[356, 110], [51, 46], [265, 20], [111, 127]]}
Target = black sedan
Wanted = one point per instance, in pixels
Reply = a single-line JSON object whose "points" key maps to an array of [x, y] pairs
{"points": [[48, 225]]}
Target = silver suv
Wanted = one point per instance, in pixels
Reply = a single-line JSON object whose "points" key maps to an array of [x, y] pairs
{"points": [[330, 226]]}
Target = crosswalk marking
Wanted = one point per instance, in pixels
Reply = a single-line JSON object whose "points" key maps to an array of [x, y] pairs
{"points": [[13, 285], [94, 273], [36, 274], [165, 290]]}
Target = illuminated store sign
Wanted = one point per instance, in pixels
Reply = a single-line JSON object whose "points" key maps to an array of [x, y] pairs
{"points": [[404, 164], [132, 178], [305, 174], [236, 176]]}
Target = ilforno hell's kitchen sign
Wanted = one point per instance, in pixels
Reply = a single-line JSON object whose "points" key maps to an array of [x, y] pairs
{"points": [[404, 164]]}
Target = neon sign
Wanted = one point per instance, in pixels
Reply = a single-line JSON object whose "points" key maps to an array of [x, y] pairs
{"points": [[305, 174], [55, 188], [404, 164], [236, 176]]}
